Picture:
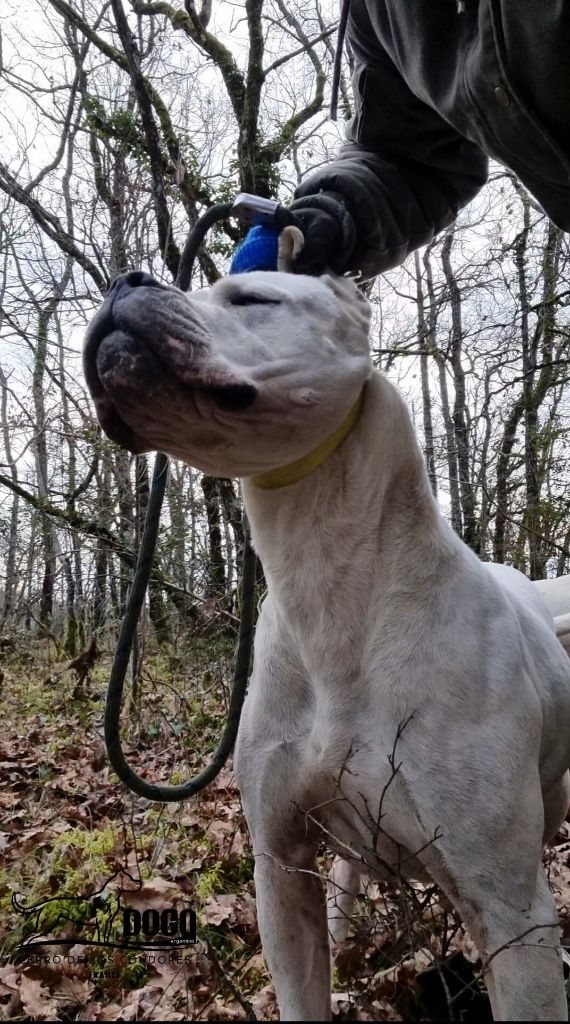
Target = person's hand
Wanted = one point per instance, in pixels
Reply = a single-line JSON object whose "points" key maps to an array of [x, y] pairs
{"points": [[328, 231]]}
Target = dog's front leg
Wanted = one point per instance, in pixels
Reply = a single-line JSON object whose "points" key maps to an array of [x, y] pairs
{"points": [[525, 962], [291, 911]]}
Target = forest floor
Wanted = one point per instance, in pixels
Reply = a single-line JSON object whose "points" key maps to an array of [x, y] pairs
{"points": [[69, 830]]}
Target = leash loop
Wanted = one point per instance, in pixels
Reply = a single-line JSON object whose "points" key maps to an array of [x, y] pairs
{"points": [[140, 786]]}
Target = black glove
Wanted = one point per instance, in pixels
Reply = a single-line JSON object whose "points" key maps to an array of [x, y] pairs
{"points": [[329, 233]]}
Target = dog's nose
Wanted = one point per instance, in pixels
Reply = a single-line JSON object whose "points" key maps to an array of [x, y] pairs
{"points": [[133, 279]]}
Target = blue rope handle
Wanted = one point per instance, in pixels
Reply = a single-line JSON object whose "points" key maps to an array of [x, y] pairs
{"points": [[258, 251]]}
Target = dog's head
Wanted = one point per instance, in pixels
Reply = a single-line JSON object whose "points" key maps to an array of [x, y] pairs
{"points": [[236, 379]]}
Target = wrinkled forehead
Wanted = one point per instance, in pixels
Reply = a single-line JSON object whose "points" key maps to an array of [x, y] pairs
{"points": [[289, 286]]}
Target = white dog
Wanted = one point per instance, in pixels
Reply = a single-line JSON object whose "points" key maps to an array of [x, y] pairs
{"points": [[409, 705]]}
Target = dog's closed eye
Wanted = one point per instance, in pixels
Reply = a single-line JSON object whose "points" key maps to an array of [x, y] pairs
{"points": [[249, 299]]}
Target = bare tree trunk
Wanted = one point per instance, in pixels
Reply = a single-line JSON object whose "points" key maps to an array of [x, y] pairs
{"points": [[156, 605], [42, 474], [503, 476], [423, 329], [122, 470], [115, 587], [10, 580], [71, 566], [48, 530], [229, 555], [460, 405], [175, 498], [450, 444], [28, 585], [12, 539], [99, 602], [482, 483], [232, 504], [193, 518], [520, 257], [71, 626], [562, 561], [216, 577], [99, 599], [537, 381], [534, 391]]}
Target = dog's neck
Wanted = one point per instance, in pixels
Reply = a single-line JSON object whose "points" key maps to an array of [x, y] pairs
{"points": [[338, 543], [297, 470]]}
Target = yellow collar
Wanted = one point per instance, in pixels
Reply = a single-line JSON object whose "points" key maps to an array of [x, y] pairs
{"points": [[294, 471]]}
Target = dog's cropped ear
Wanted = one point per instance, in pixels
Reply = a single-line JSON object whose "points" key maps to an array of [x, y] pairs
{"points": [[291, 242], [354, 302]]}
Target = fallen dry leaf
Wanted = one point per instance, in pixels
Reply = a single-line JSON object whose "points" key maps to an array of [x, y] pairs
{"points": [[218, 909], [75, 990], [37, 1000], [9, 979], [265, 1002]]}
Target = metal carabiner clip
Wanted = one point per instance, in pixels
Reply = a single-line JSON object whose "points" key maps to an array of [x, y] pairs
{"points": [[253, 210]]}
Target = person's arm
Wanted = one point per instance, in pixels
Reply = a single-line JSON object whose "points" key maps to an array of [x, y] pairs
{"points": [[404, 173]]}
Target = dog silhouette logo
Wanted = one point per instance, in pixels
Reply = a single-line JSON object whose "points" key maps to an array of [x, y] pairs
{"points": [[104, 918]]}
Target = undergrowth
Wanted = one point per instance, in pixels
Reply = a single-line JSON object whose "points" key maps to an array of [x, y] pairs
{"points": [[71, 830]]}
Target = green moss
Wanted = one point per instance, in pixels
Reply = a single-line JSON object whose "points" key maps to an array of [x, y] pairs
{"points": [[211, 881], [57, 915], [93, 845]]}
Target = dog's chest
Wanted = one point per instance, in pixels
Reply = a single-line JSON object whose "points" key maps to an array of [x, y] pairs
{"points": [[354, 796]]}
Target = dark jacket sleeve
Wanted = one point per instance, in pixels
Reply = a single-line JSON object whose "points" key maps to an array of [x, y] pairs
{"points": [[404, 173]]}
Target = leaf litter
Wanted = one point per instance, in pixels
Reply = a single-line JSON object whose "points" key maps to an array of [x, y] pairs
{"points": [[68, 825]]}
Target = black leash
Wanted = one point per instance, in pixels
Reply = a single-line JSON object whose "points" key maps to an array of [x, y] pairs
{"points": [[122, 654], [250, 210]]}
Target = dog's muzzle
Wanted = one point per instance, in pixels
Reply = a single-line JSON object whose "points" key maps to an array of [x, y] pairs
{"points": [[147, 340], [109, 353]]}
